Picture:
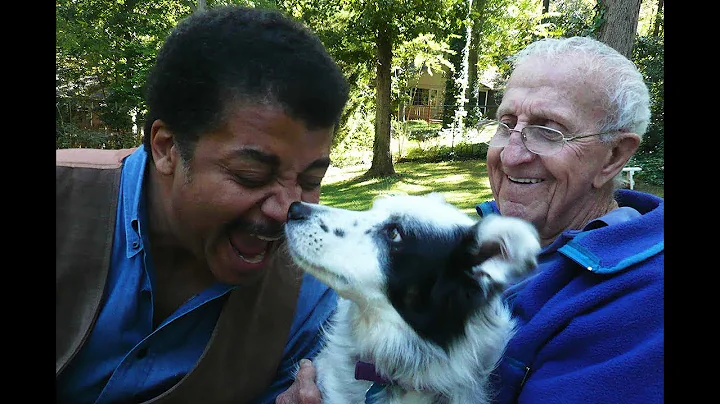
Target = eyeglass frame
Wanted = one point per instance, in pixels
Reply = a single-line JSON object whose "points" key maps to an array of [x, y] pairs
{"points": [[563, 139]]}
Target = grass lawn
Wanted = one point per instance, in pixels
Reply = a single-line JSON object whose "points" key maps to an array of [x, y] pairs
{"points": [[464, 184], [658, 190]]}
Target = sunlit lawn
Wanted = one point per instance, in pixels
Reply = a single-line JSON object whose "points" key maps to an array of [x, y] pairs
{"points": [[464, 184], [658, 190]]}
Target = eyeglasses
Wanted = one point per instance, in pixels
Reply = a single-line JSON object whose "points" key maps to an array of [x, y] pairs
{"points": [[538, 139]]}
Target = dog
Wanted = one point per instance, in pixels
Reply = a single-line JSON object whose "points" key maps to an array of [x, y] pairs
{"points": [[420, 316]]}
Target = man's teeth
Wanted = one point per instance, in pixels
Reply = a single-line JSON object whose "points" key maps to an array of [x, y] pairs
{"points": [[525, 180], [259, 257], [265, 238], [253, 260]]}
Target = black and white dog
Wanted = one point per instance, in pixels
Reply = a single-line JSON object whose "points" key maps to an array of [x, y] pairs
{"points": [[421, 317]]}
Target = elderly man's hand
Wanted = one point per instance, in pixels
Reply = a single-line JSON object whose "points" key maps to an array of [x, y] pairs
{"points": [[303, 390]]}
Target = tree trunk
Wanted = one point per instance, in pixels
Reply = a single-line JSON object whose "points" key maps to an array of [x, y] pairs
{"points": [[473, 81], [478, 17], [382, 165], [201, 6], [619, 24], [130, 54], [659, 20]]}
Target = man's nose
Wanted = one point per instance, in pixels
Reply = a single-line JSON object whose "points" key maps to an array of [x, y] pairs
{"points": [[278, 202], [515, 152]]}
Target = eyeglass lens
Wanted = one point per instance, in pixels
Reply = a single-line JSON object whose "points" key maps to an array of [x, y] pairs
{"points": [[537, 139]]}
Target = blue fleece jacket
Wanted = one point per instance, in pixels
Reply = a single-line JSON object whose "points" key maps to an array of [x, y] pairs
{"points": [[590, 319]]}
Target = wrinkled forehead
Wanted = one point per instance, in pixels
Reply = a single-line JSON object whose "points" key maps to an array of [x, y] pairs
{"points": [[568, 85], [567, 72]]}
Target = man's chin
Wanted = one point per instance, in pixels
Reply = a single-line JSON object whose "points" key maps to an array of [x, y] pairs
{"points": [[248, 278], [233, 276]]}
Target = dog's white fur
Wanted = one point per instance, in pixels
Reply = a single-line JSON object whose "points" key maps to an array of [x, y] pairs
{"points": [[346, 250]]}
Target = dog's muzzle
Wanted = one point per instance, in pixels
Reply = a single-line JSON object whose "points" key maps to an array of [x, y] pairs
{"points": [[298, 211]]}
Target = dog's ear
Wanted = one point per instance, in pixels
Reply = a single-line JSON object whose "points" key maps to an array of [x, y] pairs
{"points": [[504, 250]]}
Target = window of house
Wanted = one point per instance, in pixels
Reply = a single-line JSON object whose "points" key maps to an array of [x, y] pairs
{"points": [[420, 96], [482, 102], [425, 96], [434, 97]]}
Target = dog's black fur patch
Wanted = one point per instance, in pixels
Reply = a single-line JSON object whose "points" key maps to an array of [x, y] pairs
{"points": [[431, 284]]}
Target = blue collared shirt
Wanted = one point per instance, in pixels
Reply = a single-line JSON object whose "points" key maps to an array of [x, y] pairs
{"points": [[124, 359]]}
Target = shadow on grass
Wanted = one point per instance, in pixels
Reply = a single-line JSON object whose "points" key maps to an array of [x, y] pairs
{"points": [[464, 184]]}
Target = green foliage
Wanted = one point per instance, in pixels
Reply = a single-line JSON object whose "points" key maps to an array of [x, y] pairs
{"points": [[353, 149], [418, 124], [508, 26], [459, 152], [652, 164], [104, 50], [69, 136], [349, 27], [457, 42], [422, 135], [573, 18], [420, 130], [648, 55], [354, 138]]}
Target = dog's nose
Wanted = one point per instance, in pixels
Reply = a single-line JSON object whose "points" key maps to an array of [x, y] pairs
{"points": [[298, 211]]}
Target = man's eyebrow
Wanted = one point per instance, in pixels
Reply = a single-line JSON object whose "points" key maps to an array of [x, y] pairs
{"points": [[257, 155], [273, 160]]}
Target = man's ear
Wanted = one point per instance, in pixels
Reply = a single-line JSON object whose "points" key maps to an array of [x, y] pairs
{"points": [[162, 143], [623, 147]]}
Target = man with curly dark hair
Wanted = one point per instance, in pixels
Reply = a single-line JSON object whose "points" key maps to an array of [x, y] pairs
{"points": [[171, 281]]}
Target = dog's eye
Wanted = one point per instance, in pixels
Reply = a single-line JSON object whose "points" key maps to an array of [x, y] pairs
{"points": [[393, 234]]}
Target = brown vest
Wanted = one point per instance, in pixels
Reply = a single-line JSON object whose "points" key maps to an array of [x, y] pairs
{"points": [[246, 346]]}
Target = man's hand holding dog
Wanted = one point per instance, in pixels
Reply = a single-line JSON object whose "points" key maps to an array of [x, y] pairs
{"points": [[304, 390]]}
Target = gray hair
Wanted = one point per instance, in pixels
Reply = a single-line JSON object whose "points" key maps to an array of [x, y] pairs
{"points": [[627, 101]]}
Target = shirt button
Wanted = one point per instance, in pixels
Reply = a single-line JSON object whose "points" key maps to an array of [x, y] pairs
{"points": [[135, 244]]}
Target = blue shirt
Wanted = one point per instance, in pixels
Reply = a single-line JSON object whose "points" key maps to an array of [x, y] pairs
{"points": [[125, 360], [590, 319]]}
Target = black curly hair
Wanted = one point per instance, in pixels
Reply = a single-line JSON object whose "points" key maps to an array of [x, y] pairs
{"points": [[231, 56]]}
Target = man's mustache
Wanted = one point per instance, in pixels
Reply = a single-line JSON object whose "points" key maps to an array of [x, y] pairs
{"points": [[269, 231]]}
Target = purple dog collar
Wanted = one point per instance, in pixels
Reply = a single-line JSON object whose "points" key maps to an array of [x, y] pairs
{"points": [[366, 371]]}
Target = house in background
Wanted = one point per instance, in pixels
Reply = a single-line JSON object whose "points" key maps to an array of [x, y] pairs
{"points": [[78, 103], [428, 98]]}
